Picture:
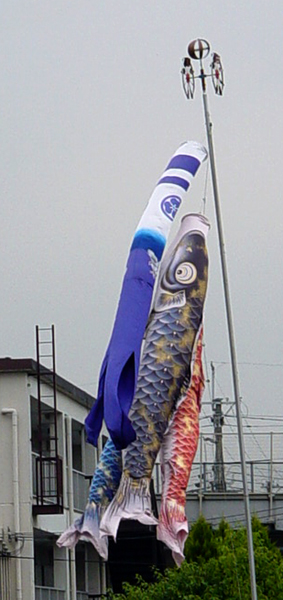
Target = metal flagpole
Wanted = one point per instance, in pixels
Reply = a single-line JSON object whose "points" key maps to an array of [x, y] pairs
{"points": [[199, 49]]}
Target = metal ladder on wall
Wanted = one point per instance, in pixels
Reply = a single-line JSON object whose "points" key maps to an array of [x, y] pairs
{"points": [[49, 491]]}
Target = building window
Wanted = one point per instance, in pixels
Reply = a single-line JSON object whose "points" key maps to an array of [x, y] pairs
{"points": [[77, 445], [47, 428], [43, 560], [81, 567]]}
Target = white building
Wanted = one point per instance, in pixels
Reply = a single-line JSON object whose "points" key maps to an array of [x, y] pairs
{"points": [[42, 492]]}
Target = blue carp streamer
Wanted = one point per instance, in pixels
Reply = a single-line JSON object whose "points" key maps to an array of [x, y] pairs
{"points": [[104, 484], [119, 370]]}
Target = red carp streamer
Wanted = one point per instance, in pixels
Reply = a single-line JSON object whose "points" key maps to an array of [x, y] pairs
{"points": [[177, 455]]}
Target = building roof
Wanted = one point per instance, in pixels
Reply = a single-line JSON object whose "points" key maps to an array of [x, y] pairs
{"points": [[29, 366]]}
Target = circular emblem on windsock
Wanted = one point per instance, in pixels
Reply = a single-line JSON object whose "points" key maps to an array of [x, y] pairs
{"points": [[198, 49], [170, 205]]}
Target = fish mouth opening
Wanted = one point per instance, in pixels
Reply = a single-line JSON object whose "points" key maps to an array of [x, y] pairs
{"points": [[197, 232], [199, 223], [202, 218]]}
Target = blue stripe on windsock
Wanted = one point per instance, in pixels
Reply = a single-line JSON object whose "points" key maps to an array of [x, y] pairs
{"points": [[181, 164], [183, 183], [184, 162], [149, 240]]}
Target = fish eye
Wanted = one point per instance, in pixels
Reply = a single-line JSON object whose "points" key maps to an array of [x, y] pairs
{"points": [[186, 273]]}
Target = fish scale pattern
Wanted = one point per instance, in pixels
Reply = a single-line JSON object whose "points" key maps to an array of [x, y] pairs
{"points": [[177, 455], [107, 475], [164, 368], [181, 439]]}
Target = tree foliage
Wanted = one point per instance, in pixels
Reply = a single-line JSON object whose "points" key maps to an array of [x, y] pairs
{"points": [[201, 544], [217, 568]]}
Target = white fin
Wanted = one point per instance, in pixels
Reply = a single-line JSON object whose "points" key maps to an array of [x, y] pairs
{"points": [[132, 501], [172, 530], [86, 529]]}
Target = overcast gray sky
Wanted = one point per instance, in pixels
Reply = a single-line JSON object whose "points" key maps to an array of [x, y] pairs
{"points": [[91, 110]]}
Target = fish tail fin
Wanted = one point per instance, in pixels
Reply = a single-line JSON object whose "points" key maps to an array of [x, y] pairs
{"points": [[132, 501], [172, 529], [87, 529]]}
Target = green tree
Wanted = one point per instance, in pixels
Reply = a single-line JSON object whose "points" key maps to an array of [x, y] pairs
{"points": [[217, 568], [201, 544]]}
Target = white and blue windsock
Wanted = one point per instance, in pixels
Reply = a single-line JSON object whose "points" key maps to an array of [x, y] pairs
{"points": [[154, 227], [119, 370]]}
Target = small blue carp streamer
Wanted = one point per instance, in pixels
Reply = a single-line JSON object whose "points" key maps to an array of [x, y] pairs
{"points": [[119, 370], [165, 369], [104, 485]]}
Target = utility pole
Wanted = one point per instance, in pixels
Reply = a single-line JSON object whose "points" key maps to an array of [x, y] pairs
{"points": [[217, 419], [198, 50], [218, 468]]}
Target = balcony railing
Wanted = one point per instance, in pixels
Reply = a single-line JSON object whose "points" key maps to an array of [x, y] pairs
{"points": [[202, 476], [80, 484], [47, 593], [47, 484], [81, 487], [264, 462]]}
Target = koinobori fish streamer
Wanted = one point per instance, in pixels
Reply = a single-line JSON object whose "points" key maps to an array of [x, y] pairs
{"points": [[147, 248], [165, 367], [119, 370], [104, 484], [177, 454]]}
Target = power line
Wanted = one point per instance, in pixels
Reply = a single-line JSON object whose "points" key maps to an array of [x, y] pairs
{"points": [[254, 364]]}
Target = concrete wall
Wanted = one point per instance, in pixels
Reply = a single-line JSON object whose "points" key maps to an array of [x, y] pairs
{"points": [[215, 506], [14, 394], [16, 389]]}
